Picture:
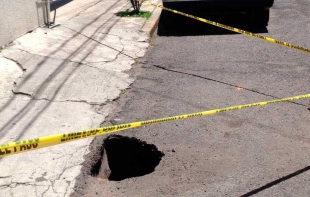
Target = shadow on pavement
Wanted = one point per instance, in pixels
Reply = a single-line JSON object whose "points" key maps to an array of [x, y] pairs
{"points": [[171, 24], [275, 182], [58, 3], [10, 124]]}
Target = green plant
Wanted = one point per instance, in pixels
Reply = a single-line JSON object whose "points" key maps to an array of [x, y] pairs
{"points": [[128, 13], [123, 91]]}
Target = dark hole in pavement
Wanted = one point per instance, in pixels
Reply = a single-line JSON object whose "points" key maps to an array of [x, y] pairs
{"points": [[126, 157]]}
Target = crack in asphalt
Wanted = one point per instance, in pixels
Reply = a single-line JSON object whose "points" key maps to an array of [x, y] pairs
{"points": [[225, 83]]}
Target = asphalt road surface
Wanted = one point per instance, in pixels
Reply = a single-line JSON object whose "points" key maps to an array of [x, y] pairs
{"points": [[192, 67]]}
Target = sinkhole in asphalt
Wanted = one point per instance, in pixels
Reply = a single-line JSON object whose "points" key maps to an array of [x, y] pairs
{"points": [[125, 157]]}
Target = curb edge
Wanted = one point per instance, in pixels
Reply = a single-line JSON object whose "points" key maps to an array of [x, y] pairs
{"points": [[151, 24]]}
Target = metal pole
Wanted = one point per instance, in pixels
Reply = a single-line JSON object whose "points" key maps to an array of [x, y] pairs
{"points": [[48, 11]]}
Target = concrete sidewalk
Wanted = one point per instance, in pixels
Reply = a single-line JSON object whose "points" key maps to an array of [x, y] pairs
{"points": [[63, 79]]}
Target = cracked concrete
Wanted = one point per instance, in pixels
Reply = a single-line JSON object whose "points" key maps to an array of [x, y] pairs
{"points": [[9, 71], [71, 82], [61, 80]]}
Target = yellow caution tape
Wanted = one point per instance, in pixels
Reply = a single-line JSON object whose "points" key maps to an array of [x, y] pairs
{"points": [[268, 39], [11, 148]]}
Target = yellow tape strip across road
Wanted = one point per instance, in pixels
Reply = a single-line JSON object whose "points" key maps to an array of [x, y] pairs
{"points": [[11, 148], [233, 29]]}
